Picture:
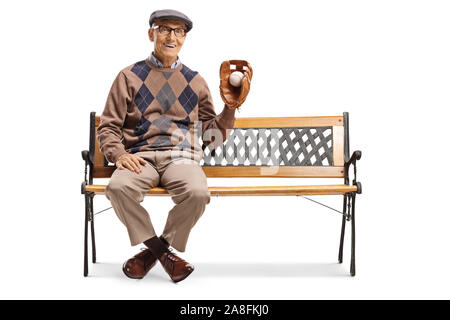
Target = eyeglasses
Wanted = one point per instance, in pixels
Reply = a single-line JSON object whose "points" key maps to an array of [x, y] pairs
{"points": [[165, 30]]}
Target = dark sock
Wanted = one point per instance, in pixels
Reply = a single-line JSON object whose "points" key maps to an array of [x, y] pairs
{"points": [[164, 241], [156, 246]]}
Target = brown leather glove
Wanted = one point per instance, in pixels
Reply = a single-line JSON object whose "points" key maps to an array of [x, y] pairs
{"points": [[234, 97]]}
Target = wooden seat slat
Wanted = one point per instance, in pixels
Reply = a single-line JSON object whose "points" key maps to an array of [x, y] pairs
{"points": [[338, 189]]}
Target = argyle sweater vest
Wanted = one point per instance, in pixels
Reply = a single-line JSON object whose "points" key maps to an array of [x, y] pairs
{"points": [[153, 108]]}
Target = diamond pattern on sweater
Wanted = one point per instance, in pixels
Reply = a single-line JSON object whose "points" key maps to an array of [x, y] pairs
{"points": [[188, 99], [141, 69], [138, 146], [183, 123], [166, 97], [163, 123], [177, 83], [162, 141], [142, 127], [167, 75], [143, 98], [188, 73]]}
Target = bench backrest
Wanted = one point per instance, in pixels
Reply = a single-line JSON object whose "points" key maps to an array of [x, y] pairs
{"points": [[265, 147]]}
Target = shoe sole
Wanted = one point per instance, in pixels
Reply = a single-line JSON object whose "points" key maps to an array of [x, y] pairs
{"points": [[187, 275], [135, 278]]}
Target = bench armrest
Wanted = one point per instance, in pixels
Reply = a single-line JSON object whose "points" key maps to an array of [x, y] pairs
{"points": [[87, 163], [355, 156], [352, 161], [85, 156]]}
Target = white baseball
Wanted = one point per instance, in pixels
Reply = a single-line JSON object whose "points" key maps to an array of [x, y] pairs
{"points": [[236, 78]]}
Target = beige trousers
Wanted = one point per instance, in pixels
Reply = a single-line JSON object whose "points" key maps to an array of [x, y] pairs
{"points": [[186, 183]]}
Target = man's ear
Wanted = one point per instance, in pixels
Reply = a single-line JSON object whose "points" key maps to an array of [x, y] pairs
{"points": [[151, 35]]}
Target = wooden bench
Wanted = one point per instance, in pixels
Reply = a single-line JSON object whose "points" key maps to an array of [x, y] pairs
{"points": [[288, 147]]}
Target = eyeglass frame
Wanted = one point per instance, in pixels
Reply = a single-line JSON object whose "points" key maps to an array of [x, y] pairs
{"points": [[170, 30]]}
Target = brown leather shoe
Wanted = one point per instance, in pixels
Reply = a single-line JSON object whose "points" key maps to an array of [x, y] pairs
{"points": [[138, 266], [177, 268]]}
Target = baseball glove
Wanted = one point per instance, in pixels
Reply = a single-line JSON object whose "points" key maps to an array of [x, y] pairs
{"points": [[234, 97]]}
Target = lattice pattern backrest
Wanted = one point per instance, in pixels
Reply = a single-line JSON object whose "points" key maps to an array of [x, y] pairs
{"points": [[289, 146]]}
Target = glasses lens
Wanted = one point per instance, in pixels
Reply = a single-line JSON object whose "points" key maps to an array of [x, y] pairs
{"points": [[180, 32], [164, 29]]}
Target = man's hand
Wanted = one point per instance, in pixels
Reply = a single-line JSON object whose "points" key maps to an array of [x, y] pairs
{"points": [[131, 162], [232, 96]]}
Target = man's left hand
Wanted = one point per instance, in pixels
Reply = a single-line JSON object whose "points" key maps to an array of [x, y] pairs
{"points": [[234, 97]]}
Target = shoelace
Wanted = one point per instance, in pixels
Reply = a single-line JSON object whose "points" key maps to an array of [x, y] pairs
{"points": [[172, 258]]}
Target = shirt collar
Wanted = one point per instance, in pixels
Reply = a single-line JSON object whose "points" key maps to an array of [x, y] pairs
{"points": [[159, 64]]}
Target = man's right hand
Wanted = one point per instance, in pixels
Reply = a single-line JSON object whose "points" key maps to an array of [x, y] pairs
{"points": [[130, 162]]}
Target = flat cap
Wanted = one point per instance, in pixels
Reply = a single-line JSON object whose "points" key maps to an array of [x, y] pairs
{"points": [[170, 14]]}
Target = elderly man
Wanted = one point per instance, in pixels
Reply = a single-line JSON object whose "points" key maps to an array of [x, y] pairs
{"points": [[149, 130]]}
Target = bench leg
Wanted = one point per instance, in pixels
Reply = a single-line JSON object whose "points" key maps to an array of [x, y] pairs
{"points": [[86, 221], [94, 254], [341, 246], [352, 264]]}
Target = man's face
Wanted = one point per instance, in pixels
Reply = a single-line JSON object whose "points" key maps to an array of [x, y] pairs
{"points": [[167, 46]]}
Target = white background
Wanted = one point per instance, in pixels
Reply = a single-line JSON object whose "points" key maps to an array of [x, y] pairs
{"points": [[385, 62]]}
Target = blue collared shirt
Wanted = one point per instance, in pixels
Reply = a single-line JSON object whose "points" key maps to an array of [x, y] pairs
{"points": [[159, 64]]}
